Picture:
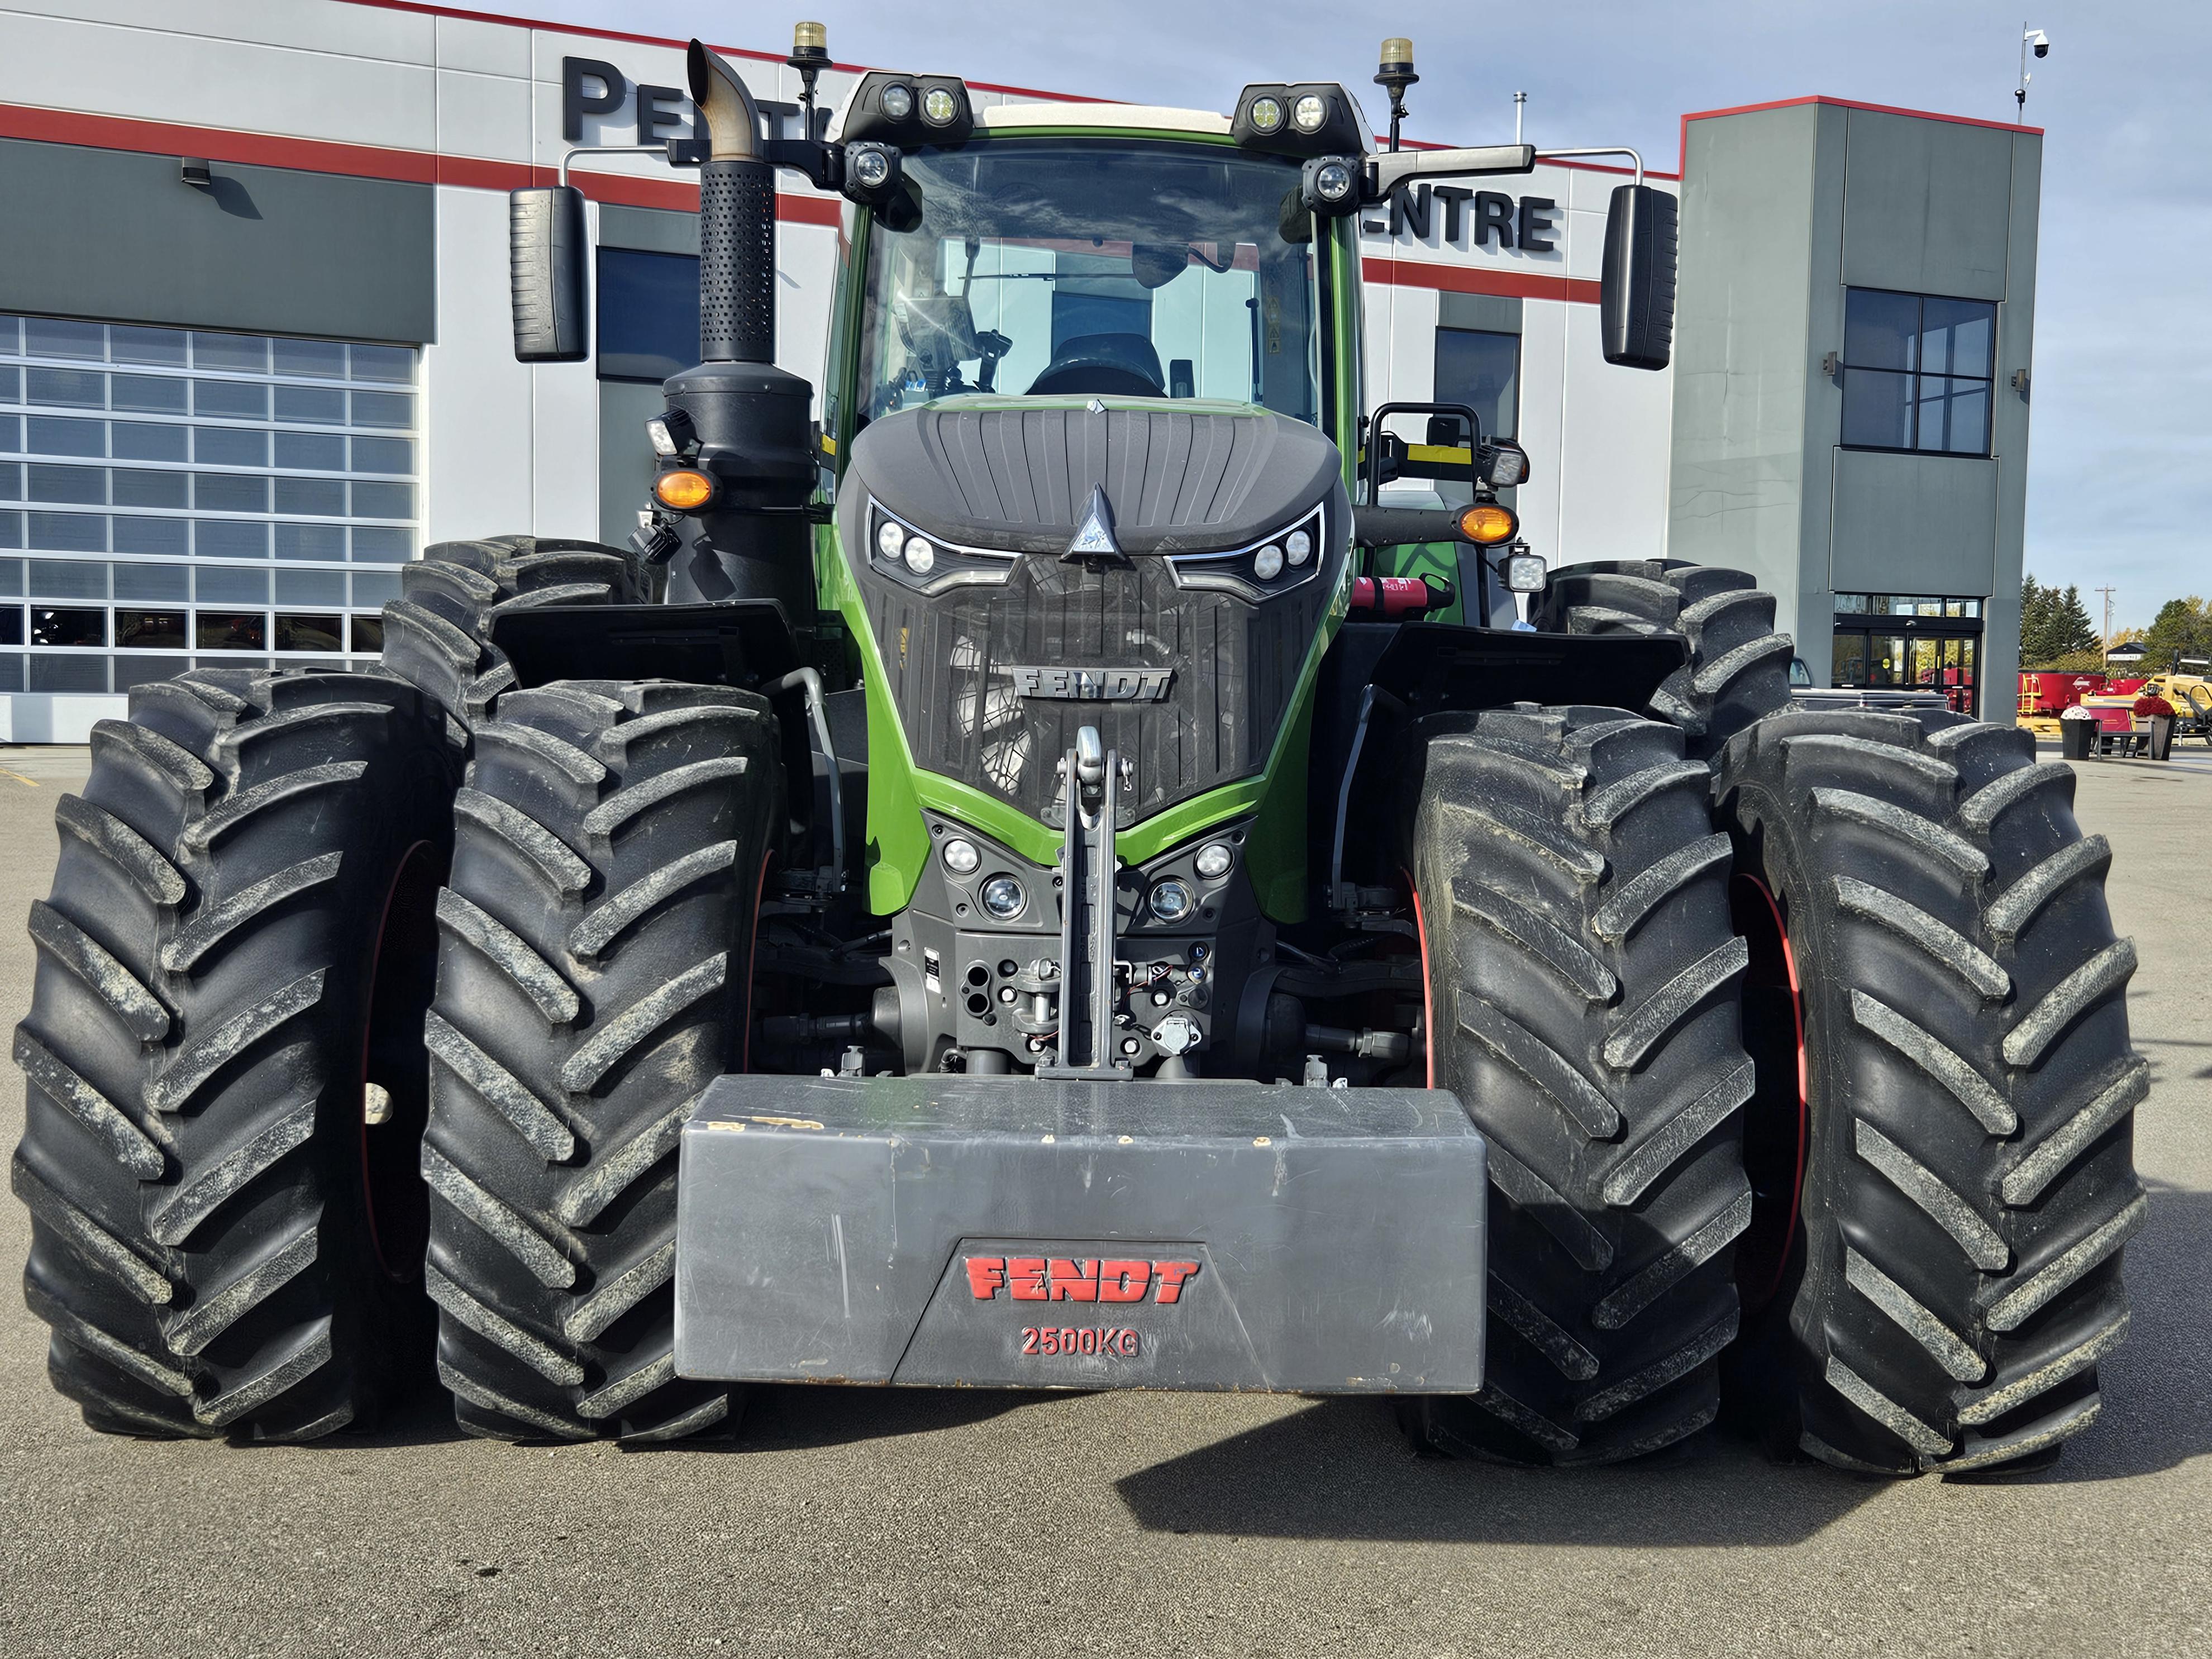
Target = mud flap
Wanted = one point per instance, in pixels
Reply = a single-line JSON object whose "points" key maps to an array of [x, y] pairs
{"points": [[1012, 1233]]}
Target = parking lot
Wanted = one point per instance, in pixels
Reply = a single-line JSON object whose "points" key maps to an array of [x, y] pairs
{"points": [[872, 1521]]}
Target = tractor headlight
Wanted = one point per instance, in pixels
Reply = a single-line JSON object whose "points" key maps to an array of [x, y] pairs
{"points": [[870, 166], [1003, 897], [1329, 184], [1261, 570], [1309, 113], [1214, 860], [1172, 900], [961, 857], [938, 107], [897, 102], [913, 559], [1266, 115]]}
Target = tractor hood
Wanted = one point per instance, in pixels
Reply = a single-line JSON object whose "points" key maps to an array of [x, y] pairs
{"points": [[1017, 477], [999, 647]]}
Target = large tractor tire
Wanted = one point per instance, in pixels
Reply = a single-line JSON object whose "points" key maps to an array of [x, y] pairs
{"points": [[1582, 986], [593, 978], [232, 975], [1941, 1278], [437, 634], [1739, 666]]}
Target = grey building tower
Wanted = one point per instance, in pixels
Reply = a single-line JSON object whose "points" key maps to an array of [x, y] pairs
{"points": [[1852, 351]]}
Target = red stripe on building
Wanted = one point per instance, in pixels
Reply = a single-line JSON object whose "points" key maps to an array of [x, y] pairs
{"points": [[1477, 279], [412, 167], [63, 126], [1683, 154]]}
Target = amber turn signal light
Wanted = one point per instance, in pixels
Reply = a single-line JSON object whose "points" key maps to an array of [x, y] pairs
{"points": [[684, 490], [1486, 523]]}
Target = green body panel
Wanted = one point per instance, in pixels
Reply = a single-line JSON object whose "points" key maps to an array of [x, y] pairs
{"points": [[898, 839]]}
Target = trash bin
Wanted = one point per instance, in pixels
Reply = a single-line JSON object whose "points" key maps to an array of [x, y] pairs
{"points": [[2161, 736], [2074, 738]]}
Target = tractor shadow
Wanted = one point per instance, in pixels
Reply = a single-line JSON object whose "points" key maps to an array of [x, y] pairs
{"points": [[1337, 1470], [1341, 1471], [799, 1417], [776, 1419]]}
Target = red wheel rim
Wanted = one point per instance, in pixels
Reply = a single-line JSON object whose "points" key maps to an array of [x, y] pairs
{"points": [[752, 954], [402, 970], [1428, 997], [1775, 1121]]}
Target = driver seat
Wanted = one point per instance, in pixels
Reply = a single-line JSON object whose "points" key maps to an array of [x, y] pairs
{"points": [[1113, 365]]}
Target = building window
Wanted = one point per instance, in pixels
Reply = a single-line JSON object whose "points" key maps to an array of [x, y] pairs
{"points": [[153, 481], [648, 314], [1482, 371], [1909, 643], [1917, 372]]}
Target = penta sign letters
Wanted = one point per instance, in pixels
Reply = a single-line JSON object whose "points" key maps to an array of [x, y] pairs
{"points": [[590, 86], [1484, 216]]}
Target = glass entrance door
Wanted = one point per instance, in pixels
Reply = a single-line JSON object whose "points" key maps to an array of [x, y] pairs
{"points": [[1915, 662], [1889, 643]]}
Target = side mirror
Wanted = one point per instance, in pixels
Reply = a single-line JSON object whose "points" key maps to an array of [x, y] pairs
{"points": [[546, 249], [1636, 302]]}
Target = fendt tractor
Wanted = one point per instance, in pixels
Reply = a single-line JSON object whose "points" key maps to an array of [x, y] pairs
{"points": [[1094, 862]]}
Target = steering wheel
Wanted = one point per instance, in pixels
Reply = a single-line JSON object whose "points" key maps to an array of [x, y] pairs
{"points": [[1116, 365]]}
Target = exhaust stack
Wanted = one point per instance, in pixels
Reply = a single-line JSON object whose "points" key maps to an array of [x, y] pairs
{"points": [[750, 416], [736, 219]]}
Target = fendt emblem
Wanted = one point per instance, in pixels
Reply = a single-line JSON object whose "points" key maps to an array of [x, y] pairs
{"points": [[1093, 684], [1043, 1279], [1050, 1278]]}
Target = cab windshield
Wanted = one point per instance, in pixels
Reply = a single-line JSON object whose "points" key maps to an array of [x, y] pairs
{"points": [[1073, 269]]}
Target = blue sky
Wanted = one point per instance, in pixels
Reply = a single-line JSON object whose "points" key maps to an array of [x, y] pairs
{"points": [[2120, 469]]}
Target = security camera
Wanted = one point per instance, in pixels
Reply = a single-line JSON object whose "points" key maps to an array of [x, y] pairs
{"points": [[2041, 41]]}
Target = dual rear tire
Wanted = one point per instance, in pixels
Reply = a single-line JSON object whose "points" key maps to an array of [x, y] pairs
{"points": [[233, 969], [1884, 1224], [593, 978]]}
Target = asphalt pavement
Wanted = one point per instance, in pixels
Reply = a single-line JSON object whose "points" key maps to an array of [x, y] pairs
{"points": [[871, 1521]]}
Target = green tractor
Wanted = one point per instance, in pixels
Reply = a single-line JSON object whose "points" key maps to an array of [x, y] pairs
{"points": [[1046, 878]]}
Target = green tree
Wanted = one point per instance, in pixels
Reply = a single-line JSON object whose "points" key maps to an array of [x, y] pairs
{"points": [[2183, 627], [2053, 625]]}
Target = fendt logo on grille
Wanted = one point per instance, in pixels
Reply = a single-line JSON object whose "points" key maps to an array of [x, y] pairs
{"points": [[1044, 1279], [1092, 684]]}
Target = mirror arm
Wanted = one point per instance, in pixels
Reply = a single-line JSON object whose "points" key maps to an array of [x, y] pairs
{"points": [[676, 151], [1386, 172], [1559, 155]]}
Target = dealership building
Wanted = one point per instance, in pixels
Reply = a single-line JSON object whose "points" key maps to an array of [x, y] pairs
{"points": [[255, 351]]}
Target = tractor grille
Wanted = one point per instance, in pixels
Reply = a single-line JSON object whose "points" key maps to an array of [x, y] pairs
{"points": [[1234, 665]]}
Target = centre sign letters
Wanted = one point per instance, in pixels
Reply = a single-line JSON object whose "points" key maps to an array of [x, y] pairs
{"points": [[1487, 215]]}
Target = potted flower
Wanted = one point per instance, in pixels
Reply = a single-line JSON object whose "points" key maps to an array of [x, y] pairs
{"points": [[2159, 713], [2077, 733]]}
